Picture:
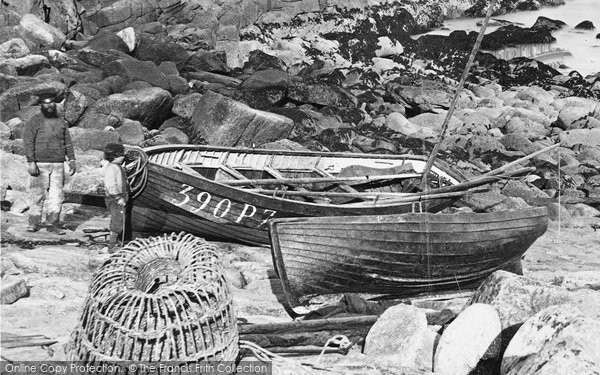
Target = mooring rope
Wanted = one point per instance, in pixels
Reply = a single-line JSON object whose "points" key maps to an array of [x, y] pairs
{"points": [[280, 362], [463, 79], [137, 173]]}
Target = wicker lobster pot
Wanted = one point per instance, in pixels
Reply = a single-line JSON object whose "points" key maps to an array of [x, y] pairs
{"points": [[158, 299]]}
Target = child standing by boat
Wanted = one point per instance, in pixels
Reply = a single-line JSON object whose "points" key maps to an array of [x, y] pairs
{"points": [[116, 194]]}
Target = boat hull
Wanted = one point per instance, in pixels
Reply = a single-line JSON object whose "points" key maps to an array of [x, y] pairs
{"points": [[175, 200], [400, 255]]}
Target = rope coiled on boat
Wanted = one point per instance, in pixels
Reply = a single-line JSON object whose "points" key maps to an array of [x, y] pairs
{"points": [[137, 173]]}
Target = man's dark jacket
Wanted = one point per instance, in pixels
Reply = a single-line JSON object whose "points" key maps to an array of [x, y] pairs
{"points": [[47, 140]]}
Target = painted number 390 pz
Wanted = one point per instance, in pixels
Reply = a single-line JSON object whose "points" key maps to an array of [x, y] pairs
{"points": [[224, 208]]}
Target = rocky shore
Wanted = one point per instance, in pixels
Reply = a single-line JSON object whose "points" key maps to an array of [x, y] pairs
{"points": [[328, 76]]}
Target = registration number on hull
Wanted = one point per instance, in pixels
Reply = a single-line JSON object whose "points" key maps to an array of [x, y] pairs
{"points": [[195, 200]]}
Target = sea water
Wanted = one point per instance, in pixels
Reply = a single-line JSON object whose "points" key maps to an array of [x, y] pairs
{"points": [[573, 50]]}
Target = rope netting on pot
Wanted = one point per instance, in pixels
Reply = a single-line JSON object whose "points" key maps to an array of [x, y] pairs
{"points": [[158, 299]]}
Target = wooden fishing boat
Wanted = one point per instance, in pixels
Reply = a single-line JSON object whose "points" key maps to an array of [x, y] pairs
{"points": [[402, 255], [231, 193]]}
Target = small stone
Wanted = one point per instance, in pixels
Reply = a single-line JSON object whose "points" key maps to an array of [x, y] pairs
{"points": [[12, 291]]}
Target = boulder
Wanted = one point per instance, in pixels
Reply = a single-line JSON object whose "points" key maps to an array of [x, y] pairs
{"points": [[27, 94], [137, 71], [382, 65], [434, 122], [585, 25], [27, 65], [560, 214], [13, 49], [521, 189], [107, 40], [266, 79], [168, 68], [131, 132], [530, 129], [570, 118], [18, 200], [516, 298], [16, 127], [100, 59], [259, 60], [223, 121], [518, 142], [399, 337], [114, 15], [557, 340], [5, 131], [75, 105], [177, 85], [158, 51], [536, 95], [180, 123], [387, 47], [184, 105], [429, 97], [171, 135], [582, 210], [587, 137], [320, 94], [46, 34], [205, 61], [92, 139], [473, 120], [148, 106], [136, 85], [548, 23], [14, 171], [128, 36], [471, 338], [12, 291]]}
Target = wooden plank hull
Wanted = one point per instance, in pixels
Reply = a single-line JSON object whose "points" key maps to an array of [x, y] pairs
{"points": [[175, 200], [399, 254]]}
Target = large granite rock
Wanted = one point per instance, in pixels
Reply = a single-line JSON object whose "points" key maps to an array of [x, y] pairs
{"points": [[107, 40], [92, 139], [516, 298], [429, 97], [184, 105], [137, 71], [557, 340], [148, 106], [219, 120], [579, 117], [400, 336], [205, 61], [434, 122], [26, 94], [26, 65], [158, 51], [14, 48], [472, 337], [46, 34], [75, 105], [587, 137], [321, 94], [131, 132]]}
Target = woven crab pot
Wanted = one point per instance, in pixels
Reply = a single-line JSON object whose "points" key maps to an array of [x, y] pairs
{"points": [[158, 299]]}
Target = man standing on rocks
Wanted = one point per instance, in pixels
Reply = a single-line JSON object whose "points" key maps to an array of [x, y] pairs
{"points": [[47, 145]]}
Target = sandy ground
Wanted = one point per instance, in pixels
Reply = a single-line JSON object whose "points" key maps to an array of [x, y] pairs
{"points": [[58, 270]]}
